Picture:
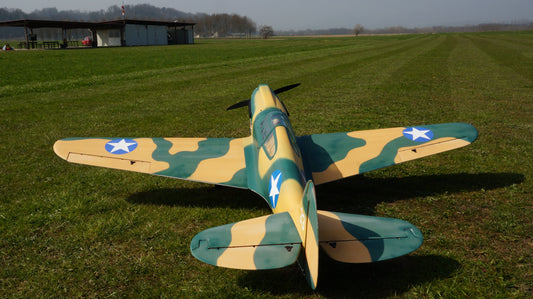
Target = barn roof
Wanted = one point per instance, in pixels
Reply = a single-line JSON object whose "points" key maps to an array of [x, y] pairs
{"points": [[90, 25], [147, 22]]}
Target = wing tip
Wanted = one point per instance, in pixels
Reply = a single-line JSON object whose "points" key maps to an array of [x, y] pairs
{"points": [[60, 149], [470, 132]]}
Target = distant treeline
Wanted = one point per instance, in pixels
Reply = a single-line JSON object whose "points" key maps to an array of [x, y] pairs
{"points": [[207, 24], [515, 26], [218, 25]]}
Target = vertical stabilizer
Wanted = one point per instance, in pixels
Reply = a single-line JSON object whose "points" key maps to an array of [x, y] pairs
{"points": [[309, 258]]}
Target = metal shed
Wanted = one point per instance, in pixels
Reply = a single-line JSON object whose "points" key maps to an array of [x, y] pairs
{"points": [[141, 32], [126, 32]]}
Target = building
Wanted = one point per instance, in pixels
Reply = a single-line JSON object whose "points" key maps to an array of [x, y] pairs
{"points": [[144, 33], [125, 32]]}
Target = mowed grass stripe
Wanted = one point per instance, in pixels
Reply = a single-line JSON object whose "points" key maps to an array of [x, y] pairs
{"points": [[349, 101], [423, 81], [501, 96], [185, 71], [516, 38], [481, 77], [181, 60], [502, 102], [152, 89], [142, 86], [351, 61], [508, 54], [304, 68]]}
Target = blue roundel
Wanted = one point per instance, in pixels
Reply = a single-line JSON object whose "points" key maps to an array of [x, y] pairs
{"points": [[273, 187], [418, 134], [121, 146]]}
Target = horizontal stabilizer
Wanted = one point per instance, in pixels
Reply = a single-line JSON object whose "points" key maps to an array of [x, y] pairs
{"points": [[266, 242], [351, 238]]}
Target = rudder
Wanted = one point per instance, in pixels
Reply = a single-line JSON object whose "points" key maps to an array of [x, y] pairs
{"points": [[309, 258]]}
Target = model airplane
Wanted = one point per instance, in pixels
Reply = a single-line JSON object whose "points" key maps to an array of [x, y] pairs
{"points": [[283, 168]]}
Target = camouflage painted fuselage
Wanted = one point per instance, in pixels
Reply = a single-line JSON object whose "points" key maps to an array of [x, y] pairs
{"points": [[278, 174], [274, 157]]}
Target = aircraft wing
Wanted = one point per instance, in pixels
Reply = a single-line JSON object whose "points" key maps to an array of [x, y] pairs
{"points": [[333, 156], [210, 160]]}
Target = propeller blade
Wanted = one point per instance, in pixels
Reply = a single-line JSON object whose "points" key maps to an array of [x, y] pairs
{"points": [[279, 90], [286, 88], [283, 89], [239, 105]]}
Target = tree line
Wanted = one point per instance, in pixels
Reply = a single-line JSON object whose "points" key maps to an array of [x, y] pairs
{"points": [[221, 25], [359, 29]]}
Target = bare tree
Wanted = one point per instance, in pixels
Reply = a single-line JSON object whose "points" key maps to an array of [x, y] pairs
{"points": [[358, 29], [266, 31]]}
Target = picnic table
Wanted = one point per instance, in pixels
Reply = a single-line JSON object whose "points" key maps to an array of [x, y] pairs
{"points": [[28, 45], [50, 44]]}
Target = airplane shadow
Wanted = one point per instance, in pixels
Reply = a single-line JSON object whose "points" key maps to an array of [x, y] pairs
{"points": [[358, 194], [209, 197], [340, 280]]}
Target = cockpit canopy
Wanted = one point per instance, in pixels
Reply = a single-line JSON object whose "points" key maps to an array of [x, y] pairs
{"points": [[265, 130]]}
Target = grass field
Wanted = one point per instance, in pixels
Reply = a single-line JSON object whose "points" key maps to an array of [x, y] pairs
{"points": [[71, 230]]}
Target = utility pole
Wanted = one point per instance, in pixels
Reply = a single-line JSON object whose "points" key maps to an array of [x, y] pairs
{"points": [[123, 30]]}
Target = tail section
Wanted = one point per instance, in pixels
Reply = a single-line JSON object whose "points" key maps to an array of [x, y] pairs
{"points": [[277, 241], [267, 242], [351, 238], [309, 258]]}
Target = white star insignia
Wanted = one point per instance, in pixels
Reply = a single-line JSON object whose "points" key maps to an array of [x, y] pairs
{"points": [[121, 145], [415, 133], [274, 185]]}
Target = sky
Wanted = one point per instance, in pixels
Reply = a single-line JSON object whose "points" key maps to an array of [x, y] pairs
{"points": [[324, 14]]}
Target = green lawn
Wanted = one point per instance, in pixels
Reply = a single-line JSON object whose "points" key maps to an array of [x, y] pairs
{"points": [[71, 230]]}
